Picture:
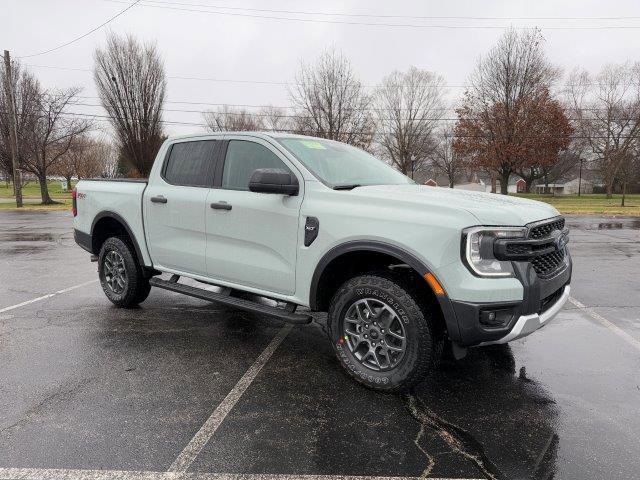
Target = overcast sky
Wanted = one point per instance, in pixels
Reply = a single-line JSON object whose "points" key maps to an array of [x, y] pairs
{"points": [[225, 39]]}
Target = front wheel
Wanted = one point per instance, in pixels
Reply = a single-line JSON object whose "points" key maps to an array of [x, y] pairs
{"points": [[120, 274], [380, 334]]}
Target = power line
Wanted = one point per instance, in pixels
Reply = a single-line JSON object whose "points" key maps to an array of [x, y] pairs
{"points": [[108, 118], [84, 35], [377, 24], [284, 115], [370, 15], [254, 82], [211, 79]]}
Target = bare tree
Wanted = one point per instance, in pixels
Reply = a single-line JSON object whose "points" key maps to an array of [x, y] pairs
{"points": [[109, 158], [606, 109], [131, 83], [97, 161], [566, 162], [66, 165], [409, 105], [86, 158], [504, 103], [54, 133], [445, 158], [227, 119], [27, 97], [330, 101], [276, 119]]}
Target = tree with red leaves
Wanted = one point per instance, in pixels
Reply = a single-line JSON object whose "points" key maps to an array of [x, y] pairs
{"points": [[509, 123]]}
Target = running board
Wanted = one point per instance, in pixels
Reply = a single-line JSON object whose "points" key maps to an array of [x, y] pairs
{"points": [[287, 314]]}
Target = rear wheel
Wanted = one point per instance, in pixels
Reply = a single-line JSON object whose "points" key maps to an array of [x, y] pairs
{"points": [[381, 335], [120, 274]]}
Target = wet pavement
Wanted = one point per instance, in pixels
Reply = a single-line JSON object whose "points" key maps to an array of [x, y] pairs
{"points": [[85, 386]]}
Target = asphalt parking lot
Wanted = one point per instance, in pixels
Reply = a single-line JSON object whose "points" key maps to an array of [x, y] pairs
{"points": [[181, 388]]}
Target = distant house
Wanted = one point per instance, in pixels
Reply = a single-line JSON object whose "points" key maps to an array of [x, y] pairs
{"points": [[566, 188], [516, 185], [431, 183]]}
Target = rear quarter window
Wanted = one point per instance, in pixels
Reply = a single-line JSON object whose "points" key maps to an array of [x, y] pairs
{"points": [[191, 163]]}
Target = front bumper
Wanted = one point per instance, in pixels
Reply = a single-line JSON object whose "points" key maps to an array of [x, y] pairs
{"points": [[542, 299], [527, 324]]}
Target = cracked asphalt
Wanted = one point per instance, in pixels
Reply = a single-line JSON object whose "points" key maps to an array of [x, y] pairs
{"points": [[85, 386]]}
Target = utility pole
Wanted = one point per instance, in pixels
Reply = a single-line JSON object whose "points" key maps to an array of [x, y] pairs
{"points": [[13, 130], [580, 178]]}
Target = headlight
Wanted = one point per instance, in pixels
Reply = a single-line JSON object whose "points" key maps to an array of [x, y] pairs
{"points": [[477, 250]]}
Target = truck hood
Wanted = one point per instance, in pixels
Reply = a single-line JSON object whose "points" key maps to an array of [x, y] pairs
{"points": [[488, 208]]}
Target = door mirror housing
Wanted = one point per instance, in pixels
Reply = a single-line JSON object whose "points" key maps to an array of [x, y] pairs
{"points": [[273, 180]]}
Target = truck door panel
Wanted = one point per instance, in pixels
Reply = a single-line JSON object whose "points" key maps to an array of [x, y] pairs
{"points": [[174, 207], [251, 237]]}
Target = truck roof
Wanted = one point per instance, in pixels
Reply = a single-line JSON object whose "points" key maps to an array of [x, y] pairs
{"points": [[248, 134]]}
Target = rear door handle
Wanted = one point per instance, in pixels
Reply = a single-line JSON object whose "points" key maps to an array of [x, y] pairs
{"points": [[158, 199], [221, 206]]}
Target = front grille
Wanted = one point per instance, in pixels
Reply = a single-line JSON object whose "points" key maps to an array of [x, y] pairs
{"points": [[544, 230], [546, 265]]}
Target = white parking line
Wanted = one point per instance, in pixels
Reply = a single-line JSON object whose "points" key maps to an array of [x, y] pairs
{"points": [[44, 297], [614, 328], [60, 474], [193, 448]]}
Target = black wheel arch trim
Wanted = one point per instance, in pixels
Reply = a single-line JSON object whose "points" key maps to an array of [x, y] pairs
{"points": [[382, 247], [123, 222]]}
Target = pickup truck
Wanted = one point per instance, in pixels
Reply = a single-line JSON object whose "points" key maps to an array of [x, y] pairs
{"points": [[272, 222]]}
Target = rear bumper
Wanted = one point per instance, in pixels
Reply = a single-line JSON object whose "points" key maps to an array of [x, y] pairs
{"points": [[542, 300], [83, 239]]}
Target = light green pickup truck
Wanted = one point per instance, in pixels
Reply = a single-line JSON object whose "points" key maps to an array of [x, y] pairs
{"points": [[403, 270]]}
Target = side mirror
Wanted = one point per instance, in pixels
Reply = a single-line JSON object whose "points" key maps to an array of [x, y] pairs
{"points": [[273, 180]]}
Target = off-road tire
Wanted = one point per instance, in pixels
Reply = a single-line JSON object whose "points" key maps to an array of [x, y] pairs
{"points": [[136, 287], [423, 344]]}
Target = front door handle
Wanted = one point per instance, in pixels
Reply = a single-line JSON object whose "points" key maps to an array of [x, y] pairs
{"points": [[158, 199], [221, 206]]}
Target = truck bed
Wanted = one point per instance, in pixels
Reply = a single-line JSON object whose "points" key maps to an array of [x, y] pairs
{"points": [[119, 197]]}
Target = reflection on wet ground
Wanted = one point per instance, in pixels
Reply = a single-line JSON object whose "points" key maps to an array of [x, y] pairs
{"points": [[610, 224], [21, 236], [496, 418]]}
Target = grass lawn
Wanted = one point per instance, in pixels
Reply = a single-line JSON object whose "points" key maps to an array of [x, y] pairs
{"points": [[32, 190], [31, 197], [593, 203], [66, 205]]}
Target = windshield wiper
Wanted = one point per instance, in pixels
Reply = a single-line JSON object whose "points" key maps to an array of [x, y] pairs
{"points": [[347, 187]]}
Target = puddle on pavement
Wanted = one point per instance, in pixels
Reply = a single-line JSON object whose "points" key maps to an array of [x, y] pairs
{"points": [[486, 392], [632, 225], [24, 249], [609, 225], [27, 237]]}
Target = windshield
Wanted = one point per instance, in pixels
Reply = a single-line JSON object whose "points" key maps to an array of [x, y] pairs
{"points": [[341, 165]]}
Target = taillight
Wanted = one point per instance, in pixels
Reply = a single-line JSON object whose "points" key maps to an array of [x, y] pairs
{"points": [[74, 202]]}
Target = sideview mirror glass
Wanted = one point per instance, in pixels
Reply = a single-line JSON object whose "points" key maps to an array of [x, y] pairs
{"points": [[273, 180]]}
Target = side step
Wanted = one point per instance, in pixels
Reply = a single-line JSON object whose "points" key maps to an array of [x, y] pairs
{"points": [[286, 314]]}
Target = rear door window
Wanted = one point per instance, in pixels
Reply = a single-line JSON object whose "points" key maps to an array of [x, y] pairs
{"points": [[242, 158], [191, 163]]}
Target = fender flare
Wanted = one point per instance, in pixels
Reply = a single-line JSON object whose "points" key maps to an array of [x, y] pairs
{"points": [[123, 222], [382, 247]]}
